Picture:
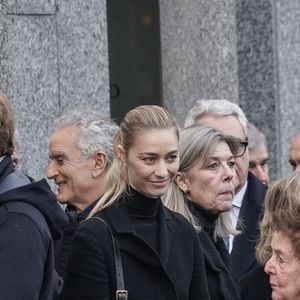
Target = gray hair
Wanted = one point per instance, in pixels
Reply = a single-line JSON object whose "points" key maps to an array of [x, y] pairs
{"points": [[95, 132], [256, 138], [217, 107], [197, 143]]}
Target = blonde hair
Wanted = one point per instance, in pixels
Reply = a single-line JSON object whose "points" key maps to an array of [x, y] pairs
{"points": [[145, 117], [281, 212], [196, 144]]}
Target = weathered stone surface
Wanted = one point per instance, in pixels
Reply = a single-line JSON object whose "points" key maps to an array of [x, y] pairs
{"points": [[33, 79], [198, 42], [83, 55], [39, 7], [256, 70]]}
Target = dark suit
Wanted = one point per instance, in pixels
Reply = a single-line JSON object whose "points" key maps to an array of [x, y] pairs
{"points": [[175, 271], [243, 251]]}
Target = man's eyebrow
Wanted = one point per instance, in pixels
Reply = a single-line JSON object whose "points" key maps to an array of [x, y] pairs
{"points": [[292, 162], [57, 154]]}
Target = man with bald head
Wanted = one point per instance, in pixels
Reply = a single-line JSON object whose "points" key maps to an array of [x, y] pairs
{"points": [[294, 155], [229, 118]]}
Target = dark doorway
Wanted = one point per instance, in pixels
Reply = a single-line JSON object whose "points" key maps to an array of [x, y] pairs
{"points": [[134, 54]]}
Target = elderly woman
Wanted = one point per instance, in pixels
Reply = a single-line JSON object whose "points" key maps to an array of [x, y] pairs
{"points": [[279, 247], [202, 191]]}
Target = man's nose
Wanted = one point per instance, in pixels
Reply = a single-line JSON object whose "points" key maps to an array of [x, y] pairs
{"points": [[51, 170], [261, 174]]}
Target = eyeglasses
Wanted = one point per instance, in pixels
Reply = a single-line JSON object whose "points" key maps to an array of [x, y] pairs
{"points": [[242, 148]]}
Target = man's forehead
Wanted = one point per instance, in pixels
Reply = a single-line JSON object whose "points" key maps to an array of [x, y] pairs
{"points": [[227, 124]]}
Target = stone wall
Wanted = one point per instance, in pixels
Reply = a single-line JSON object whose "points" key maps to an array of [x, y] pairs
{"points": [[53, 58], [57, 61], [198, 44]]}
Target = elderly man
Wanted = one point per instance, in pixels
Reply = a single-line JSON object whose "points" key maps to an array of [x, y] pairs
{"points": [[80, 153], [258, 154], [30, 218], [294, 155], [230, 119]]}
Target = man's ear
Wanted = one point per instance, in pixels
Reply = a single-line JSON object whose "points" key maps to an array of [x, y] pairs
{"points": [[121, 153], [182, 182], [99, 163]]}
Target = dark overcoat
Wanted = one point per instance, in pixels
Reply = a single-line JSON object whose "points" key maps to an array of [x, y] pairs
{"points": [[221, 278], [256, 285], [176, 273], [243, 251], [30, 218]]}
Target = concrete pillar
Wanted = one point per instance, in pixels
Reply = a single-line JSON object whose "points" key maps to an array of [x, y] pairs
{"points": [[198, 44], [57, 62], [268, 34]]}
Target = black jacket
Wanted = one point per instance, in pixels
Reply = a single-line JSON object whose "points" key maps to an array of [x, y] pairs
{"points": [[255, 285], [174, 272], [222, 281], [29, 218], [63, 246], [243, 251]]}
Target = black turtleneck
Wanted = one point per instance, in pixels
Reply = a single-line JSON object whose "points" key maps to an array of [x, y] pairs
{"points": [[222, 281], [143, 212], [208, 222], [206, 219]]}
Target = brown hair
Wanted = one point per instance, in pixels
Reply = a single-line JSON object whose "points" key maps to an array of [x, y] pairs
{"points": [[7, 126], [281, 213]]}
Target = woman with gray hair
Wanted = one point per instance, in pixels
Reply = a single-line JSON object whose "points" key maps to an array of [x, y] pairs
{"points": [[202, 191]]}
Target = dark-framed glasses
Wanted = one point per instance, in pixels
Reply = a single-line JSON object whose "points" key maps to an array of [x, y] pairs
{"points": [[242, 148]]}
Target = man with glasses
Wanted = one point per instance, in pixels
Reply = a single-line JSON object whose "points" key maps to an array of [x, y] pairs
{"points": [[229, 118]]}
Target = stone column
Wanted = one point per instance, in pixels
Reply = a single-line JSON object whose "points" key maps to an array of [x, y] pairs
{"points": [[198, 44], [257, 70], [268, 34], [287, 44], [3, 47], [57, 62]]}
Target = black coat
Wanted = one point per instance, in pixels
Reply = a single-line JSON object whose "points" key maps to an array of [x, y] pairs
{"points": [[177, 272], [29, 219], [63, 246], [255, 285], [222, 281], [243, 251]]}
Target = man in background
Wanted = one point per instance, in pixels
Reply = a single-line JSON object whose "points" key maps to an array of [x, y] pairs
{"points": [[80, 153], [258, 154], [294, 155]]}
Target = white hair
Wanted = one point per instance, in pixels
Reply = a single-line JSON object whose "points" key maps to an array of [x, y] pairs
{"points": [[95, 132], [217, 107]]}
